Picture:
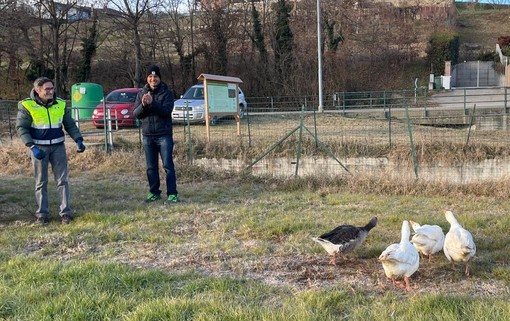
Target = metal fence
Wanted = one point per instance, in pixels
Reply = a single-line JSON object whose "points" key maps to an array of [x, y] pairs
{"points": [[355, 133]]}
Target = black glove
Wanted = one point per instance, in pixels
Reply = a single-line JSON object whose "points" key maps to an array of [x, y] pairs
{"points": [[81, 147], [38, 153]]}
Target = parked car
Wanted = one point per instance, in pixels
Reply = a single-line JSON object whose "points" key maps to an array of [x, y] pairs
{"points": [[121, 104], [193, 101]]}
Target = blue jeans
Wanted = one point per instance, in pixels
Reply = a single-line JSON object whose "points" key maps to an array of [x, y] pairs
{"points": [[154, 147]]}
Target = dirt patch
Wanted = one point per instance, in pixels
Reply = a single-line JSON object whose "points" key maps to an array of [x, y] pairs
{"points": [[303, 272]]}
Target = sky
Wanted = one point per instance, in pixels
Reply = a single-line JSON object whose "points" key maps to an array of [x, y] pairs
{"points": [[487, 1]]}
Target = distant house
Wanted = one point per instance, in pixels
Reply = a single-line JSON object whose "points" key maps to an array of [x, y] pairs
{"points": [[79, 13], [73, 12], [69, 11]]}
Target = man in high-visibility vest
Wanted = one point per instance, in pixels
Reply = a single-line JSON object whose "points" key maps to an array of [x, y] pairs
{"points": [[40, 123]]}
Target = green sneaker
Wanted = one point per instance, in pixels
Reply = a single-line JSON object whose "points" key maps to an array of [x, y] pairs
{"points": [[152, 197], [172, 198]]}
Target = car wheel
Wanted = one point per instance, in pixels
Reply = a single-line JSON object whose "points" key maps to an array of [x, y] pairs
{"points": [[214, 121]]}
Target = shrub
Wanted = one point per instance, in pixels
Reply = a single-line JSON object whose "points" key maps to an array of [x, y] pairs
{"points": [[443, 46], [504, 44], [487, 55]]}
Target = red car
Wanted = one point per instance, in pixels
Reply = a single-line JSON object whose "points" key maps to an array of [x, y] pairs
{"points": [[121, 104]]}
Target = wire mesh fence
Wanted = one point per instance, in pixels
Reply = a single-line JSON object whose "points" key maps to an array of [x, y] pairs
{"points": [[407, 132]]}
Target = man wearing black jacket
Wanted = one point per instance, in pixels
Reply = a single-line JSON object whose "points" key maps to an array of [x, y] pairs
{"points": [[153, 106]]}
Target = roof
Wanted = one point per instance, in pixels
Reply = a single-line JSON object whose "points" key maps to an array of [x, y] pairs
{"points": [[220, 78]]}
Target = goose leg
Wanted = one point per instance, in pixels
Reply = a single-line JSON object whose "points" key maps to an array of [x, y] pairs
{"points": [[466, 272], [398, 284], [408, 283], [333, 259]]}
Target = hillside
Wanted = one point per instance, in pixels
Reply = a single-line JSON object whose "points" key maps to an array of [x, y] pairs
{"points": [[479, 27]]}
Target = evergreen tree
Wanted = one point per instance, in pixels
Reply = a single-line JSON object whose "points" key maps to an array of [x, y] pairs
{"points": [[443, 46], [89, 46], [283, 53], [219, 42], [261, 79], [37, 69], [333, 40], [258, 36]]}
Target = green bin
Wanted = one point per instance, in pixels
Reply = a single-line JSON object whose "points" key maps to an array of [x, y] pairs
{"points": [[438, 83], [85, 97]]}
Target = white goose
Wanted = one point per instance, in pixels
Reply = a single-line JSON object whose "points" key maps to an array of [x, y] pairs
{"points": [[459, 245], [427, 239], [401, 259]]}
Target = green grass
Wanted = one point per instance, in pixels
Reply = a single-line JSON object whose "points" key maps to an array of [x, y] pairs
{"points": [[239, 248], [51, 290]]}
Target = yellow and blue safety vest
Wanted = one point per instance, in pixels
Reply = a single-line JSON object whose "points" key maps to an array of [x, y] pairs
{"points": [[46, 126]]}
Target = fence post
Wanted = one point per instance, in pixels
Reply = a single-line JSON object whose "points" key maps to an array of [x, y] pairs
{"points": [[76, 116], [425, 103], [140, 139], [315, 130], [384, 105], [478, 74], [411, 140], [343, 102], [506, 99], [300, 140], [109, 130], [389, 125], [190, 144], [472, 119], [9, 120], [249, 126], [465, 103], [105, 128]]}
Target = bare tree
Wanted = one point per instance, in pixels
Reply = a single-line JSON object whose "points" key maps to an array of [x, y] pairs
{"points": [[180, 33], [46, 34], [57, 36], [13, 39], [128, 17]]}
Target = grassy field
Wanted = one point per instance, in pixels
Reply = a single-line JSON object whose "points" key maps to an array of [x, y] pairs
{"points": [[480, 28], [237, 247]]}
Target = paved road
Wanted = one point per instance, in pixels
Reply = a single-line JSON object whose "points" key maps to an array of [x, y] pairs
{"points": [[496, 97]]}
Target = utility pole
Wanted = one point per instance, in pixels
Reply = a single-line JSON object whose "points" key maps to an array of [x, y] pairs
{"points": [[319, 56]]}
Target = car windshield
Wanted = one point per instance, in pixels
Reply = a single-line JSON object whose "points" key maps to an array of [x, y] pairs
{"points": [[194, 93], [121, 97]]}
